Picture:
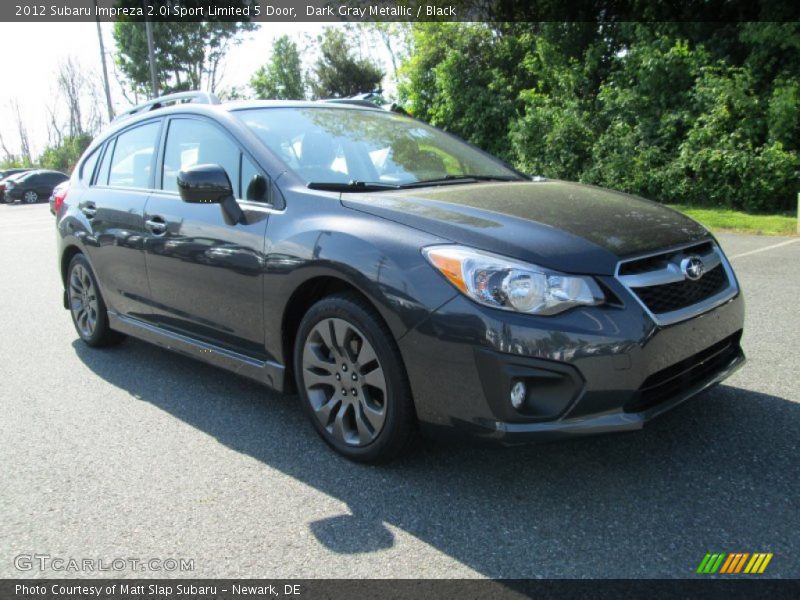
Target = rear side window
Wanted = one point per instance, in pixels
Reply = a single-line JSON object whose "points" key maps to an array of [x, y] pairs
{"points": [[87, 169], [132, 159], [194, 142], [105, 166]]}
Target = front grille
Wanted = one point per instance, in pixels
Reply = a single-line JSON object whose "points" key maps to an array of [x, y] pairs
{"points": [[661, 285], [652, 263], [674, 296], [695, 370]]}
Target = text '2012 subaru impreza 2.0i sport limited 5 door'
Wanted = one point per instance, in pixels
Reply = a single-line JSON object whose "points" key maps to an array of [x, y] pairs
{"points": [[395, 277]]}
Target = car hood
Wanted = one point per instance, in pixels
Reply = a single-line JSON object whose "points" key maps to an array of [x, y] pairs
{"points": [[560, 225]]}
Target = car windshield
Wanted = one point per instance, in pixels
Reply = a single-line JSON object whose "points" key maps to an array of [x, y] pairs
{"points": [[367, 148]]}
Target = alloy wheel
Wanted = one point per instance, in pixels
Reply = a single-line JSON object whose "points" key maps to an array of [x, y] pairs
{"points": [[345, 382], [31, 197], [83, 300]]}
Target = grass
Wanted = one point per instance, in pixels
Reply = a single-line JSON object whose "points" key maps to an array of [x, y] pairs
{"points": [[734, 220]]}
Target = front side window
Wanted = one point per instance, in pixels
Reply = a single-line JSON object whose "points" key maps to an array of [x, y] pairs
{"points": [[336, 145], [254, 185], [132, 158], [193, 142]]}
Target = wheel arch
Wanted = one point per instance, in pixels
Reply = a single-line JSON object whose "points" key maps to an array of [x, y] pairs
{"points": [[66, 257], [302, 299]]}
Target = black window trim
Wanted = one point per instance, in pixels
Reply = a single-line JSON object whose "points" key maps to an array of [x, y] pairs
{"points": [[89, 181], [162, 148], [111, 145], [108, 146]]}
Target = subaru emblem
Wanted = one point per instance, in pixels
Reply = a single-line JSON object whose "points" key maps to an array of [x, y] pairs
{"points": [[693, 267]]}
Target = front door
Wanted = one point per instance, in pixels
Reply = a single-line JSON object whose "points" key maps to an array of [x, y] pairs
{"points": [[205, 273]]}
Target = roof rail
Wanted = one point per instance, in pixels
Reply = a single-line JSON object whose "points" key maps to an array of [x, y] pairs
{"points": [[161, 101]]}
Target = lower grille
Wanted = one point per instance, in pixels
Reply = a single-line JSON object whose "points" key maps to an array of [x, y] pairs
{"points": [[696, 369], [674, 296]]}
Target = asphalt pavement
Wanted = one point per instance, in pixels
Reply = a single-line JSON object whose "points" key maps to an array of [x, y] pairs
{"points": [[134, 452]]}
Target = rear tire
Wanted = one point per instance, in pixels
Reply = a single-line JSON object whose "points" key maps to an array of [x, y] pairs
{"points": [[352, 382], [30, 197], [88, 310]]}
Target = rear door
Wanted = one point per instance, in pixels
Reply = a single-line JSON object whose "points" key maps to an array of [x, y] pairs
{"points": [[49, 181], [114, 206], [205, 272]]}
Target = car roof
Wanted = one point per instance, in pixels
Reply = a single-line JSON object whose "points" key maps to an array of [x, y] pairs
{"points": [[337, 103], [17, 175], [145, 112], [232, 106], [42, 172]]}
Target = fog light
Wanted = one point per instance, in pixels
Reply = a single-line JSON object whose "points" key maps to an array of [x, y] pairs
{"points": [[518, 393]]}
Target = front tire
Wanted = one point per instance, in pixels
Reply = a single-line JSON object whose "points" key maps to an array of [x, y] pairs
{"points": [[88, 310], [352, 382]]}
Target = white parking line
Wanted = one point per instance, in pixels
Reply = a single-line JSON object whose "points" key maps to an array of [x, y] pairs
{"points": [[764, 249]]}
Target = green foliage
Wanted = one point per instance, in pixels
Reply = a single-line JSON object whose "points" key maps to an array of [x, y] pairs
{"points": [[188, 55], [282, 77], [461, 77], [689, 113], [783, 114], [338, 73], [14, 162], [64, 156]]}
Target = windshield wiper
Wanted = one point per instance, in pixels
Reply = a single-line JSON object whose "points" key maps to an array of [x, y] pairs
{"points": [[457, 179], [376, 186], [352, 186]]}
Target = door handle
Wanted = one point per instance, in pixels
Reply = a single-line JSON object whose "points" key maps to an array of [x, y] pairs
{"points": [[89, 210], [156, 225]]}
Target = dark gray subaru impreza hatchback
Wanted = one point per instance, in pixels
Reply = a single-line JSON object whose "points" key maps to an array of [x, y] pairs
{"points": [[396, 277]]}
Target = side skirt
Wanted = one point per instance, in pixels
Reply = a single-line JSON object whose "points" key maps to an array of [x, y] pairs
{"points": [[268, 373]]}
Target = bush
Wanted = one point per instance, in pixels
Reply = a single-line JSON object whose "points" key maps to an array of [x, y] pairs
{"points": [[710, 119], [64, 156]]}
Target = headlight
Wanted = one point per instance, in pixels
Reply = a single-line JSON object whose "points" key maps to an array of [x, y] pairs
{"points": [[505, 283]]}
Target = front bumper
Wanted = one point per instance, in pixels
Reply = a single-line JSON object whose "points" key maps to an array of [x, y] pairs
{"points": [[588, 371]]}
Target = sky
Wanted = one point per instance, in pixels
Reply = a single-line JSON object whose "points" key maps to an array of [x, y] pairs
{"points": [[31, 81]]}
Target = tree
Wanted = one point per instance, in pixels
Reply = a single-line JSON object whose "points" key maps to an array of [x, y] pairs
{"points": [[684, 112], [64, 155], [189, 56], [24, 142], [464, 78], [393, 37], [338, 73], [282, 77], [69, 135], [78, 92]]}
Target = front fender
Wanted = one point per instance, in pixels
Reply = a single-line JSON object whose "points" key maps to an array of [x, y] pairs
{"points": [[379, 258]]}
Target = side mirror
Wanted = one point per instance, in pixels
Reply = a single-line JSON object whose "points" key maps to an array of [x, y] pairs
{"points": [[209, 184], [204, 184]]}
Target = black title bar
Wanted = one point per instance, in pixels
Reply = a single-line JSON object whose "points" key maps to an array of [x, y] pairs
{"points": [[399, 10]]}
